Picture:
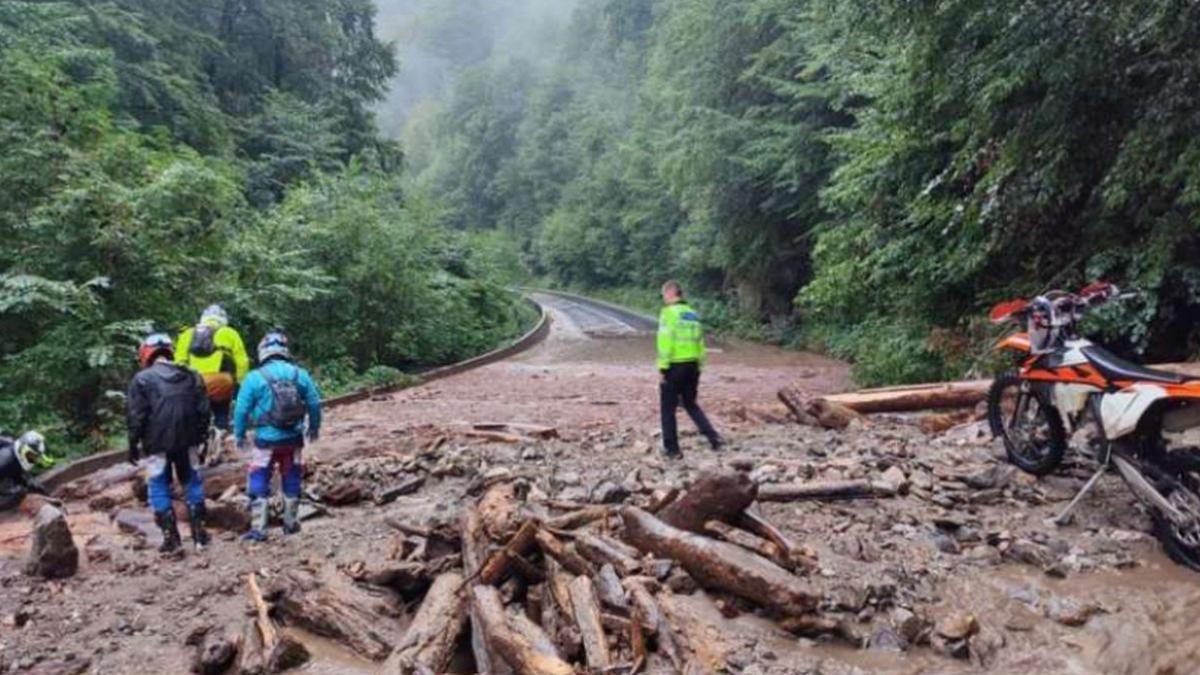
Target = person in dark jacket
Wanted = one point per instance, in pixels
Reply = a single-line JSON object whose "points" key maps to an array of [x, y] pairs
{"points": [[168, 416], [275, 400], [17, 459]]}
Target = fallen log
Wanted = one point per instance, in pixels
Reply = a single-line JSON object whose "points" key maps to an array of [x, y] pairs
{"points": [[744, 539], [534, 430], [916, 397], [601, 550], [817, 412], [337, 612], [433, 634], [579, 517], [404, 487], [499, 563], [473, 550], [836, 489], [714, 496], [279, 651], [564, 555], [720, 565], [251, 657], [588, 618], [498, 436], [608, 587], [794, 554], [498, 511], [513, 647], [558, 612]]}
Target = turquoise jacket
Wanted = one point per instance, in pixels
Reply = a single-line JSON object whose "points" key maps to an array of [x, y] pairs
{"points": [[254, 402]]}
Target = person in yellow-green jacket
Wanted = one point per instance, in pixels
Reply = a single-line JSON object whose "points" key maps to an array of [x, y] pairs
{"points": [[681, 355], [216, 351]]}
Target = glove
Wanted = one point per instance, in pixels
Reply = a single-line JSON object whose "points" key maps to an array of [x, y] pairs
{"points": [[313, 435], [135, 453], [243, 445]]}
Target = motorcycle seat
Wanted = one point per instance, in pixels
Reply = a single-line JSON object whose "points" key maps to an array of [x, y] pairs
{"points": [[1113, 367]]}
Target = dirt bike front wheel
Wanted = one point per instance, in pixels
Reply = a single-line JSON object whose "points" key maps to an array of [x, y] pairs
{"points": [[1033, 433]]}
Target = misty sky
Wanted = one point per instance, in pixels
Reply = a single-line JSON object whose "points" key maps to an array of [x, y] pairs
{"points": [[435, 39]]}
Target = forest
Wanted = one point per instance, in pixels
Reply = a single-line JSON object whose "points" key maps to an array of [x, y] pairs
{"points": [[157, 156], [864, 177]]}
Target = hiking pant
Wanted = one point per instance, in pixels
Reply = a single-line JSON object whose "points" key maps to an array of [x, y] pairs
{"points": [[680, 385], [158, 479], [220, 414], [291, 470]]}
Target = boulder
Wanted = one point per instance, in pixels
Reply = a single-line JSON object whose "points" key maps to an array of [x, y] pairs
{"points": [[53, 555]]}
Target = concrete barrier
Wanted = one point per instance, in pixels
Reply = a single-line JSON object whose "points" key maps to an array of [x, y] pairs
{"points": [[632, 317]]}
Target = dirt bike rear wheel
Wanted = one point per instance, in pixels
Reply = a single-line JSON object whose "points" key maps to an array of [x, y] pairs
{"points": [[1033, 433], [1182, 544]]}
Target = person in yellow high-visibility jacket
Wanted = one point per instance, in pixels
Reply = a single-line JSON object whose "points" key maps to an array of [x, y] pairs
{"points": [[216, 351], [681, 355]]}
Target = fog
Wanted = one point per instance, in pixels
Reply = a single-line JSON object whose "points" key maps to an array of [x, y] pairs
{"points": [[436, 39]]}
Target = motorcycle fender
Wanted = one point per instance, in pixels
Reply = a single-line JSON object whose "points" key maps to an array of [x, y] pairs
{"points": [[1071, 399], [1124, 409], [1017, 342]]}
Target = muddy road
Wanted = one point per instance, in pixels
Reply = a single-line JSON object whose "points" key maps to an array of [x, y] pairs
{"points": [[965, 549]]}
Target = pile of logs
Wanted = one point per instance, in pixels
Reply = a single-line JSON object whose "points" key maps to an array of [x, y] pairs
{"points": [[542, 593], [543, 587]]}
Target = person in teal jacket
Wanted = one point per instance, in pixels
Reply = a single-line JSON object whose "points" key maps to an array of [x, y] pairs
{"points": [[276, 399], [681, 355]]}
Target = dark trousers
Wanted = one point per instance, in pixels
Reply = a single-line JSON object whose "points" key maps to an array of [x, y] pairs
{"points": [[681, 384], [220, 414]]}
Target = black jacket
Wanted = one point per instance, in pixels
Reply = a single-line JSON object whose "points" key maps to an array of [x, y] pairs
{"points": [[167, 409], [15, 482]]}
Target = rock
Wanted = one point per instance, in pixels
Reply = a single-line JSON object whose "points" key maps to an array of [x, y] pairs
{"points": [[215, 655], [895, 479], [1025, 551], [886, 638], [228, 516], [53, 554], [994, 477], [1069, 612], [531, 454], [344, 492], [908, 625], [608, 492], [945, 543], [1020, 618], [956, 649], [958, 625]]}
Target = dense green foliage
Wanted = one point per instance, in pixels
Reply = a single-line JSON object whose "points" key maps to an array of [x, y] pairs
{"points": [[869, 174], [160, 155]]}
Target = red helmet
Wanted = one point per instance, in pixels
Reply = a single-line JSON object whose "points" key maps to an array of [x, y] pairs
{"points": [[158, 344]]}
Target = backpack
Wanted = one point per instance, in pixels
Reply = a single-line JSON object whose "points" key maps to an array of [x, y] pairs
{"points": [[204, 341], [287, 404]]}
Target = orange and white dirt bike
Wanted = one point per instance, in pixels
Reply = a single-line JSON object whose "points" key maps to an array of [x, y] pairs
{"points": [[1064, 381]]}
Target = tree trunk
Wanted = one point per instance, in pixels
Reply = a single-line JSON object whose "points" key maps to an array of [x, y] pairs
{"points": [[720, 565], [715, 496], [836, 489], [587, 617], [433, 634], [600, 551], [512, 646]]}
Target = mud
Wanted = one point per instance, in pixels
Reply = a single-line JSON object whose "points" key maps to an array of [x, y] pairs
{"points": [[967, 534]]}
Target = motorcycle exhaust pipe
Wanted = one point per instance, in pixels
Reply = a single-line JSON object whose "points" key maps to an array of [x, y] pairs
{"points": [[1147, 492]]}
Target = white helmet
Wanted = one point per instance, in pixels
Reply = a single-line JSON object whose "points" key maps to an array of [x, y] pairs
{"points": [[214, 314], [30, 449]]}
